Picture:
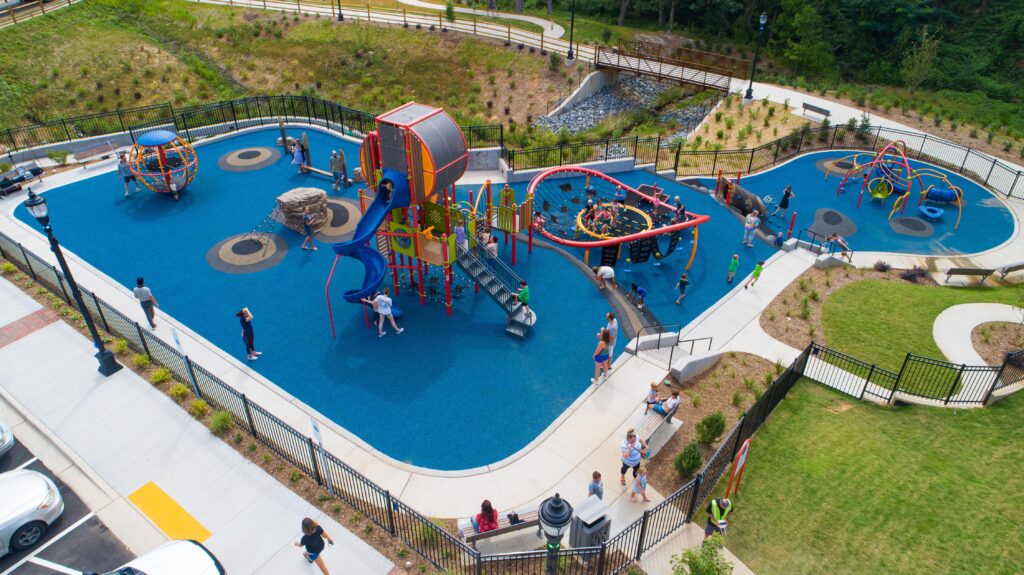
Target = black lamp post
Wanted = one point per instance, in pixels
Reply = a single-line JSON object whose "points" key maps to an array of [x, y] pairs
{"points": [[555, 515], [572, 28], [753, 66], [36, 206], [341, 17]]}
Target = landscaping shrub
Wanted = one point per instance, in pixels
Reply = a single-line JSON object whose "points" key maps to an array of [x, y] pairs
{"points": [[710, 428], [5, 167], [58, 156], [221, 422], [554, 61], [178, 392], [688, 460], [119, 346], [881, 266], [198, 408], [8, 268], [707, 560], [914, 274], [140, 360], [160, 375]]}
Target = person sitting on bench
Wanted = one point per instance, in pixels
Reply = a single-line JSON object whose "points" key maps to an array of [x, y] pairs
{"points": [[666, 406], [487, 519]]}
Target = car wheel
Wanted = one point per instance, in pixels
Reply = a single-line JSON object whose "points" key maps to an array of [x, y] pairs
{"points": [[28, 535]]}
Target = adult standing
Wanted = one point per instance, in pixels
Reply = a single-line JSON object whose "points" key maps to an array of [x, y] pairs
{"points": [[787, 195], [383, 306], [312, 540], [605, 274], [248, 335], [307, 228], [146, 300], [718, 516], [337, 164], [750, 224], [600, 357], [631, 454], [613, 329], [126, 174]]}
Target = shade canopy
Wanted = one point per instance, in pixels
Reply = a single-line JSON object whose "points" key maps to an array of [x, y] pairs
{"points": [[157, 138]]}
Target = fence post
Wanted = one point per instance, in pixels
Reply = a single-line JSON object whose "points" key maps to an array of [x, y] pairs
{"points": [[234, 116], [142, 338], [693, 500], [867, 381], [601, 558], [967, 154], [956, 380], [120, 119], [778, 144], [103, 316], [643, 535], [561, 148], [248, 414], [312, 461], [899, 377], [990, 169], [800, 143], [194, 382], [739, 435], [31, 271], [636, 148], [835, 131], [60, 282], [751, 163], [391, 511], [995, 382], [1009, 193], [67, 132], [675, 166], [714, 162], [878, 134]]}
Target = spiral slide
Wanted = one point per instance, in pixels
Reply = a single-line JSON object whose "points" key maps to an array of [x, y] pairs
{"points": [[375, 264]]}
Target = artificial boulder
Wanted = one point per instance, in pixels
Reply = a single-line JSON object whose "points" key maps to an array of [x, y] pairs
{"points": [[292, 203]]}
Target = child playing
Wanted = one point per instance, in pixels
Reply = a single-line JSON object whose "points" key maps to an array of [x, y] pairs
{"points": [[636, 295], [734, 264], [640, 486], [596, 486], [779, 240], [681, 286], [755, 275], [523, 297], [538, 220], [652, 397]]}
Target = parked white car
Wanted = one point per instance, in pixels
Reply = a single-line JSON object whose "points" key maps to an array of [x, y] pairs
{"points": [[173, 558], [29, 505], [6, 439]]}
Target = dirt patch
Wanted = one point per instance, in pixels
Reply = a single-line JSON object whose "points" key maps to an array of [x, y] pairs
{"points": [[794, 316], [995, 339], [731, 386]]}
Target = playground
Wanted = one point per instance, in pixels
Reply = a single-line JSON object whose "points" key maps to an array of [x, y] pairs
{"points": [[937, 213]]}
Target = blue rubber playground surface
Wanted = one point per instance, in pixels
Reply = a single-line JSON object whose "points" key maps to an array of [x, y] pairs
{"points": [[450, 392], [986, 221]]}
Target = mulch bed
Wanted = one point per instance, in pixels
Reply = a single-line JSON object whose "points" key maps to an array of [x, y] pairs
{"points": [[994, 340], [789, 320], [731, 386]]}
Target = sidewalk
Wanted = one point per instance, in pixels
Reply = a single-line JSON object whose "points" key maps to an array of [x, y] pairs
{"points": [[552, 30], [140, 443]]}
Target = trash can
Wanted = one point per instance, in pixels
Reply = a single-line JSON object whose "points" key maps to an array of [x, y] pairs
{"points": [[591, 525]]}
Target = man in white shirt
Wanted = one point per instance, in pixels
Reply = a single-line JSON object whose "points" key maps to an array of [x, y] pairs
{"points": [[146, 300], [604, 274]]}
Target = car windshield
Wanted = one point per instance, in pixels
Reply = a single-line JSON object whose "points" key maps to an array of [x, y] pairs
{"points": [[126, 571]]}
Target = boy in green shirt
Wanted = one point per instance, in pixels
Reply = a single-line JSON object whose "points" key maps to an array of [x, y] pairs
{"points": [[523, 297], [734, 264], [755, 275]]}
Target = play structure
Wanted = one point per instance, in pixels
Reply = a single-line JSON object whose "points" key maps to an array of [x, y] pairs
{"points": [[888, 173], [583, 208], [163, 162], [411, 217]]}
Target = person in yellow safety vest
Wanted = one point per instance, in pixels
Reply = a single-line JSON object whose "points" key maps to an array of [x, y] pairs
{"points": [[718, 512]]}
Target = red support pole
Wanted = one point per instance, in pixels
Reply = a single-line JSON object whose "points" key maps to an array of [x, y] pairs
{"points": [[419, 268], [529, 238], [327, 293], [490, 217], [515, 228], [792, 221], [728, 193], [739, 174], [905, 200], [366, 316], [447, 275], [863, 187]]}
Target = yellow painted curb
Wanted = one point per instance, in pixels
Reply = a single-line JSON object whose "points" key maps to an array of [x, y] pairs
{"points": [[167, 514]]}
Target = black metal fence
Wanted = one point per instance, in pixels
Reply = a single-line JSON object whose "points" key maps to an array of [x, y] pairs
{"points": [[203, 121], [920, 378], [442, 549]]}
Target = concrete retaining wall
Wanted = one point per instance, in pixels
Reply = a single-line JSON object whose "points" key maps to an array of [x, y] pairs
{"points": [[592, 84], [606, 166], [691, 366], [484, 159]]}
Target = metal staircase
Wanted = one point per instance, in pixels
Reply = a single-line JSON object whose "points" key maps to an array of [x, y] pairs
{"points": [[501, 284]]}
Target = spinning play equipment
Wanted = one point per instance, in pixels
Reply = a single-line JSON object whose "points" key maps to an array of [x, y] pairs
{"points": [[888, 172], [163, 162], [421, 152], [644, 216]]}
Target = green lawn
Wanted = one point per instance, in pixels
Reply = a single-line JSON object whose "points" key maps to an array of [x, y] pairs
{"points": [[873, 490], [880, 321]]}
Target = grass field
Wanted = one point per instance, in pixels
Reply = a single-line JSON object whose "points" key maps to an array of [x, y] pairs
{"points": [[855, 325], [843, 487]]}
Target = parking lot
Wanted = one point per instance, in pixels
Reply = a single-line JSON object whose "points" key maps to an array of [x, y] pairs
{"points": [[77, 542]]}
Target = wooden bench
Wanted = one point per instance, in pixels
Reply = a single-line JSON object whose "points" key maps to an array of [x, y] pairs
{"points": [[96, 153], [651, 422], [816, 109], [983, 273], [1007, 270], [527, 519]]}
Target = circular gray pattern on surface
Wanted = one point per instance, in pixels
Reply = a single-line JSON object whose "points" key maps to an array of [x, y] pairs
{"points": [[828, 221], [911, 226], [839, 166], [342, 216], [243, 254], [248, 159]]}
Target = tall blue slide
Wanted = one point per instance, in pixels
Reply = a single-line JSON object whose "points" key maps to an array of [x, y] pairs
{"points": [[376, 265]]}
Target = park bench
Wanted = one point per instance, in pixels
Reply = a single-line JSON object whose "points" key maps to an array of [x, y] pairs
{"points": [[651, 422], [527, 518], [95, 153], [983, 273], [816, 109], [1007, 270]]}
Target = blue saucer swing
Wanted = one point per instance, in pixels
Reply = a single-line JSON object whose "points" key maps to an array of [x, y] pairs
{"points": [[931, 212]]}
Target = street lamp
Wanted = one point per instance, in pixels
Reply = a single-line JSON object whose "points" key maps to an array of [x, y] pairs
{"points": [[753, 66], [555, 515], [36, 206], [572, 28]]}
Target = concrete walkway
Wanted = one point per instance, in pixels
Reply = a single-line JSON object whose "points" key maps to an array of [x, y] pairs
{"points": [[139, 443], [552, 29], [952, 328]]}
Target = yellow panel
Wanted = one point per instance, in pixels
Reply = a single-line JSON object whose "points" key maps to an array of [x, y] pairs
{"points": [[428, 173], [165, 512]]}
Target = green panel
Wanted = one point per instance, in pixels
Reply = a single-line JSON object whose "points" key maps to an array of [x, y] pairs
{"points": [[433, 215], [402, 245], [505, 216]]}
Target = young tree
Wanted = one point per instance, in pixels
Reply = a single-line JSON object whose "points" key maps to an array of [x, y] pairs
{"points": [[799, 38], [708, 560], [917, 64], [449, 11]]}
